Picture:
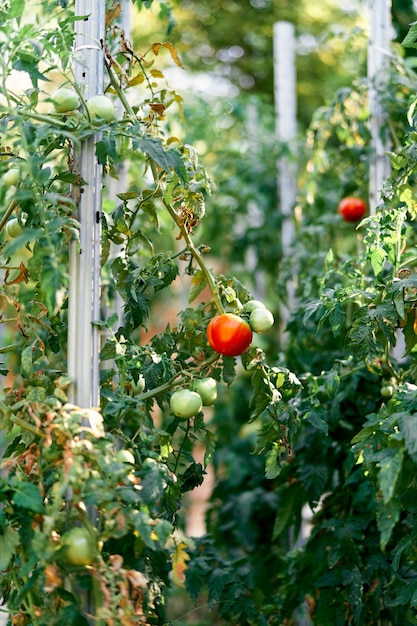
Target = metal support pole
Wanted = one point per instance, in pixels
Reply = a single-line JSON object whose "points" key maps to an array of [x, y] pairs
{"points": [[286, 128], [84, 292], [378, 59]]}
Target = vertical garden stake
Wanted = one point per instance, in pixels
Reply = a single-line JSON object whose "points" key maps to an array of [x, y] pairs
{"points": [[378, 58], [84, 292], [286, 127]]}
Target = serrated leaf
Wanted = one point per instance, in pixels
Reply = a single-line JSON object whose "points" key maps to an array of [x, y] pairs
{"points": [[378, 256], [316, 420], [272, 463], [166, 44], [198, 283], [288, 498], [389, 470], [407, 424], [388, 514], [410, 39], [27, 496], [9, 539], [180, 560]]}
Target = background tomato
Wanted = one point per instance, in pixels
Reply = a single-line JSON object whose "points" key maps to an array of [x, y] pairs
{"points": [[229, 334], [78, 546], [251, 305], [186, 403], [352, 209]]}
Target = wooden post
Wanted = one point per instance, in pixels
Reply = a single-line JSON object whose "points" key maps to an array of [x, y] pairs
{"points": [[286, 129], [84, 292], [378, 59]]}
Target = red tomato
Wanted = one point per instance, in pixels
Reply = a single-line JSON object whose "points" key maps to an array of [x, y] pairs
{"points": [[229, 334], [352, 209]]}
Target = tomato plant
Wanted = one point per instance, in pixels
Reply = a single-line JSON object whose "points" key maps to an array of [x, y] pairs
{"points": [[229, 334], [352, 209]]}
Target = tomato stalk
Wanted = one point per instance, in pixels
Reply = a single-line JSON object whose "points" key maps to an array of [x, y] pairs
{"points": [[7, 214], [211, 283]]}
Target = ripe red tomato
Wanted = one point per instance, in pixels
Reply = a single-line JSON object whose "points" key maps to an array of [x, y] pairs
{"points": [[229, 334], [352, 209]]}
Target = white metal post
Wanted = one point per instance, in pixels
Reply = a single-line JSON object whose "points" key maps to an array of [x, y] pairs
{"points": [[286, 129], [378, 59], [84, 292]]}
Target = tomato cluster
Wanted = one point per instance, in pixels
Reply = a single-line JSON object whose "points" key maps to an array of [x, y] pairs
{"points": [[186, 403], [231, 334]]}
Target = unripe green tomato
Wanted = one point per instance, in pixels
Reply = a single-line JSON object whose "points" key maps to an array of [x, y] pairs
{"points": [[261, 320], [65, 100], [125, 456], [186, 403], [251, 305], [101, 107], [13, 228], [78, 547], [11, 177], [387, 391], [138, 386], [207, 389]]}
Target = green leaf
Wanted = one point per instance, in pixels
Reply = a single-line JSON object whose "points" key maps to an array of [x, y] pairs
{"points": [[408, 428], [9, 539], [390, 467], [272, 462], [27, 496], [17, 8], [388, 514], [410, 39], [314, 418], [198, 283], [378, 256], [289, 499]]}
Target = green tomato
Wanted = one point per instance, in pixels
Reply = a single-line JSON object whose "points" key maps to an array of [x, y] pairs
{"points": [[125, 456], [11, 177], [251, 305], [261, 320], [387, 391], [65, 100], [78, 546], [207, 389], [186, 403], [13, 228], [101, 107], [138, 386]]}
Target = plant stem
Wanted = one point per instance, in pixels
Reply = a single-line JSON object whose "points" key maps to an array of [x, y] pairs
{"points": [[7, 214]]}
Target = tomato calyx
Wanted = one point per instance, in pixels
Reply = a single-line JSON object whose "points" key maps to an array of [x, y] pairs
{"points": [[229, 334]]}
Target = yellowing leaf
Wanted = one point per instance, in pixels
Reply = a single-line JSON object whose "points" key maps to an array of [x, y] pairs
{"points": [[157, 74], [136, 80], [166, 44], [179, 564]]}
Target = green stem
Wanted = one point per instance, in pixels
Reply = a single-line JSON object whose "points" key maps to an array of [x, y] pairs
{"points": [[7, 214], [178, 379], [177, 460]]}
